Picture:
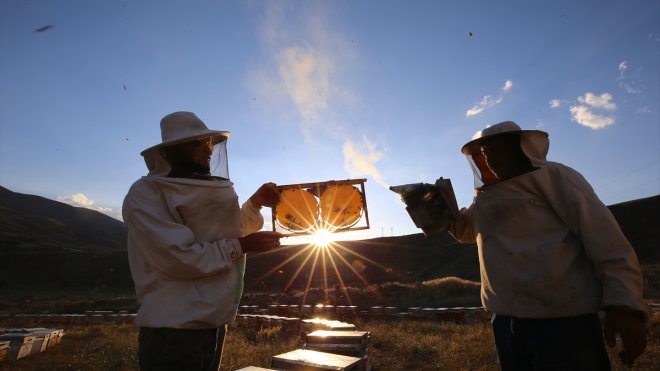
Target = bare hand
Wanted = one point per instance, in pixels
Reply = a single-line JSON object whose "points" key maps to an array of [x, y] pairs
{"points": [[630, 328], [260, 241], [266, 195]]}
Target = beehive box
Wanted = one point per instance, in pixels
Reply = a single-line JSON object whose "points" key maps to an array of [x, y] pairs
{"points": [[306, 310], [339, 326], [360, 338], [428, 313], [391, 311], [20, 344], [377, 311], [455, 314], [313, 324], [347, 343], [291, 325], [311, 360], [55, 337], [42, 337], [4, 348], [347, 311]]}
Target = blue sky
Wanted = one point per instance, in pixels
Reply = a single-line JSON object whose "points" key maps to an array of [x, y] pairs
{"points": [[322, 90]]}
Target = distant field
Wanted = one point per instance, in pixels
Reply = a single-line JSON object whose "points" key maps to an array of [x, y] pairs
{"points": [[396, 345]]}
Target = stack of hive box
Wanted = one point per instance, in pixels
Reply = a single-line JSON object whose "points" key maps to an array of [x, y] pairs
{"points": [[347, 343], [20, 344], [312, 360], [25, 341]]}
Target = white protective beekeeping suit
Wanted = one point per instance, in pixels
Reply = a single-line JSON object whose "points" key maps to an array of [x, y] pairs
{"points": [[183, 249], [548, 247]]}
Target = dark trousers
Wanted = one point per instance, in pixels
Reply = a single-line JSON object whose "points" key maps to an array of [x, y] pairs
{"points": [[573, 343], [173, 349]]}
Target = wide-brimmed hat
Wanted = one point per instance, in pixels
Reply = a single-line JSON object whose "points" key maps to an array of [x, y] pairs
{"points": [[506, 127], [181, 127]]}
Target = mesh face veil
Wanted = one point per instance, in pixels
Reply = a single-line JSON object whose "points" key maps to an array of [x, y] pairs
{"points": [[219, 165]]}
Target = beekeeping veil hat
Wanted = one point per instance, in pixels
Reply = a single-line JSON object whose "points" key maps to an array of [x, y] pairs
{"points": [[534, 143], [180, 127]]}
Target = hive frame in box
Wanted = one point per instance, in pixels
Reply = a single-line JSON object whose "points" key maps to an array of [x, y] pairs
{"points": [[316, 189]]}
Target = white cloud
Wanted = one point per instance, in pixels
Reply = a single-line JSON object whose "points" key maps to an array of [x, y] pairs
{"points": [[508, 84], [644, 110], [555, 103], [585, 117], [584, 113], [80, 200], [488, 101], [360, 159], [306, 75], [603, 101]]}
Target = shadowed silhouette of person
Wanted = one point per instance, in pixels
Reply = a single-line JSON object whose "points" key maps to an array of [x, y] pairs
{"points": [[551, 257], [187, 240]]}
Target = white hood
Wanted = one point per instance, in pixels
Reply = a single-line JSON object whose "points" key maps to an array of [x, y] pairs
{"points": [[534, 143]]}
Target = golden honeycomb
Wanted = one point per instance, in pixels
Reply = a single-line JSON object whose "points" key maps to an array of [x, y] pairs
{"points": [[341, 205], [297, 210]]}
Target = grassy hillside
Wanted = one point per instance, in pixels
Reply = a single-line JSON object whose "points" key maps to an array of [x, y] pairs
{"points": [[52, 249], [33, 223]]}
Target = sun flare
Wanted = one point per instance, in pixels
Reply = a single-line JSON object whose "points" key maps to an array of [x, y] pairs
{"points": [[322, 238]]}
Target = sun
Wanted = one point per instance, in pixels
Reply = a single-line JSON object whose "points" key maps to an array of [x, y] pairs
{"points": [[322, 238]]}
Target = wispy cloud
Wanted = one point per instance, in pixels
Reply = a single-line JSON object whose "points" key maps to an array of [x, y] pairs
{"points": [[80, 200], [488, 101], [508, 84], [555, 103], [644, 110], [593, 110], [628, 87], [360, 159], [302, 72], [307, 75]]}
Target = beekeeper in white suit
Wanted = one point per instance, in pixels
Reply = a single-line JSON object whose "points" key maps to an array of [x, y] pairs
{"points": [[187, 240], [551, 256]]}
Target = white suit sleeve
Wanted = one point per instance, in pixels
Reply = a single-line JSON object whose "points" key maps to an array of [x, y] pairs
{"points": [[251, 218], [462, 229]]}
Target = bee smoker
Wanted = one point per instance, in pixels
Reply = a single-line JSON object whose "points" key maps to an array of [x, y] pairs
{"points": [[432, 207]]}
